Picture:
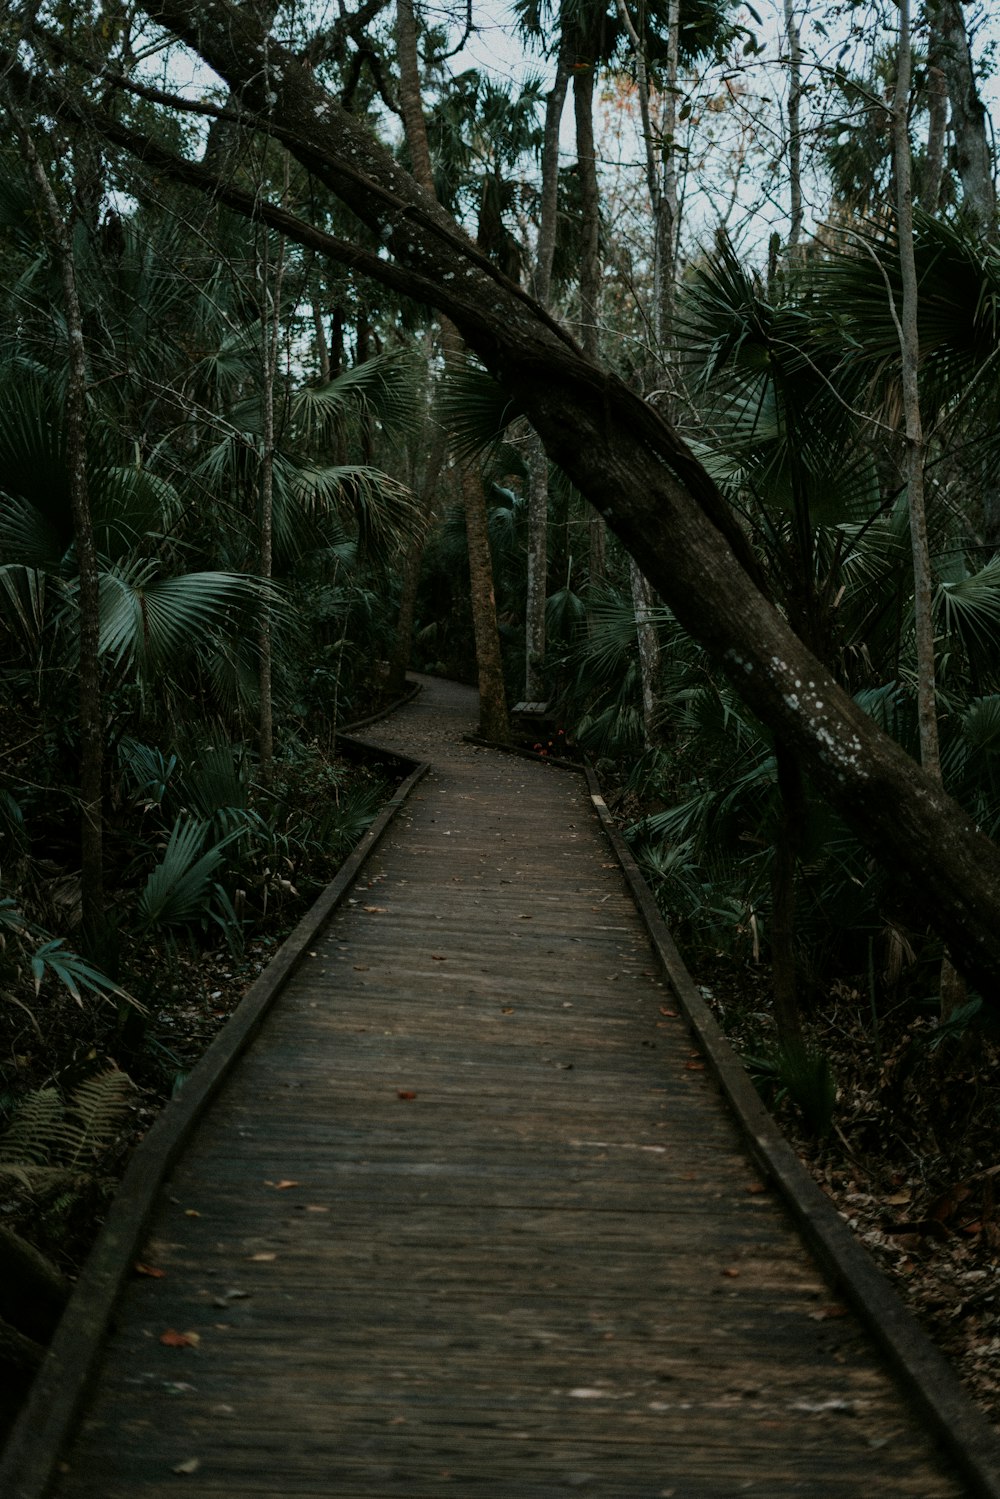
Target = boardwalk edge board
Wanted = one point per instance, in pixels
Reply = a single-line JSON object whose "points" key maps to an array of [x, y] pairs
{"points": [[45, 1423], [349, 730], [927, 1377]]}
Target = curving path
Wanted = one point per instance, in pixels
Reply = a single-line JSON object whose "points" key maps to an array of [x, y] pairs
{"points": [[470, 1218]]}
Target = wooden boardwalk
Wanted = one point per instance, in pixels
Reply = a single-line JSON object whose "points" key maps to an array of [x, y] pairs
{"points": [[470, 1219]]}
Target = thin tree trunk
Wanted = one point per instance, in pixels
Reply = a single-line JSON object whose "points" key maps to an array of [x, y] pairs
{"points": [[590, 206], [322, 347], [548, 210], [590, 269], [909, 344], [662, 185], [493, 721], [794, 129], [952, 989], [537, 569], [410, 582], [937, 128], [90, 697], [270, 321], [538, 463]]}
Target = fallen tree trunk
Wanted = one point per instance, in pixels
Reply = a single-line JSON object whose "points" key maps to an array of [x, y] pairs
{"points": [[632, 468]]}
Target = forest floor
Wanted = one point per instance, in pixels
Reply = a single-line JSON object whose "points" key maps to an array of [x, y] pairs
{"points": [[912, 1159]]}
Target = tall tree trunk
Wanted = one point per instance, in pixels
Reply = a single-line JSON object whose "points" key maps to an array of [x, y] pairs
{"points": [[951, 986], [909, 344], [969, 119], [794, 129], [410, 583], [585, 70], [493, 720], [89, 696], [621, 454], [538, 463], [555, 103], [937, 129], [537, 570], [270, 332], [322, 347], [662, 186]]}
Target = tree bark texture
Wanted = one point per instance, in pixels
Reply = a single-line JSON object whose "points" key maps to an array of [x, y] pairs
{"points": [[909, 345], [969, 121], [629, 463], [584, 75], [548, 209], [537, 570], [649, 651]]}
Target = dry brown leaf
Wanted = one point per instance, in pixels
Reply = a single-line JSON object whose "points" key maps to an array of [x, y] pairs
{"points": [[150, 1270], [174, 1339]]}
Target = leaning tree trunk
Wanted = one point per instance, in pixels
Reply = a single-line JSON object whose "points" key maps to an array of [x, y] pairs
{"points": [[493, 721], [623, 457], [89, 697]]}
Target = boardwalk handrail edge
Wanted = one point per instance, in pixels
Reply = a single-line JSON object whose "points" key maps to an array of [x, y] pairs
{"points": [[47, 1419], [924, 1372]]}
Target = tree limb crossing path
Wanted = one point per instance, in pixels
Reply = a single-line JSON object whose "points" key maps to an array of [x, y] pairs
{"points": [[470, 1218]]}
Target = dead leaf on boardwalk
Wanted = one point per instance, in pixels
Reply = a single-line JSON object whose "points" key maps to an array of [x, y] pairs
{"points": [[150, 1270], [375, 910], [437, 957], [174, 1339], [265, 1256], [756, 1187], [507, 1010], [694, 1066], [191, 1213], [670, 1014], [191, 1466], [732, 1271], [405, 1094], [361, 968], [828, 1313], [281, 1186]]}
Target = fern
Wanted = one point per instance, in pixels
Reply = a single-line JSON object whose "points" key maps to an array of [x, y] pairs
{"points": [[48, 1137], [28, 1139], [95, 1114]]}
